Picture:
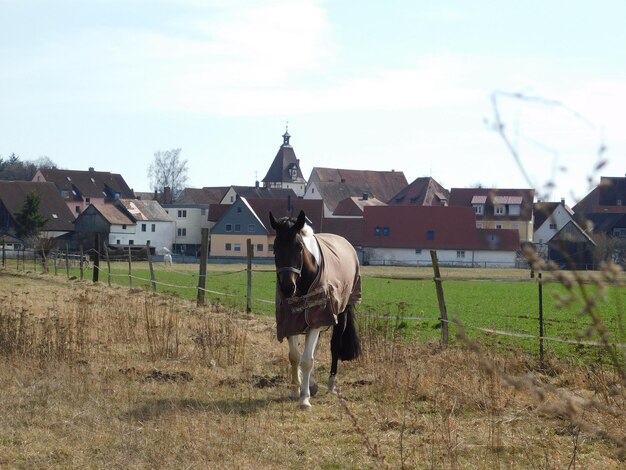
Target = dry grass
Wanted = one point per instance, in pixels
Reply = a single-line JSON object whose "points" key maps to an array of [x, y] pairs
{"points": [[96, 377]]}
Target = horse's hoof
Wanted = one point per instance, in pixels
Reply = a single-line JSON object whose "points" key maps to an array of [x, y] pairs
{"points": [[313, 389], [305, 405], [331, 385], [294, 395]]}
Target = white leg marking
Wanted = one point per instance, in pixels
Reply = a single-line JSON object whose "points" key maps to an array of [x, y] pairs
{"points": [[294, 360], [306, 365], [331, 384]]}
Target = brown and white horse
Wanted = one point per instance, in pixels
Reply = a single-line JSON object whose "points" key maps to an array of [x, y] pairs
{"points": [[317, 284]]}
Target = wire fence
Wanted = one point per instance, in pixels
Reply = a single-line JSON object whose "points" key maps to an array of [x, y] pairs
{"points": [[181, 281]]}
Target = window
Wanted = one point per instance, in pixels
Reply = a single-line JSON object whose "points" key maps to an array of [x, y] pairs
{"points": [[498, 226], [270, 247], [182, 232], [385, 231], [418, 251], [237, 246], [251, 228], [131, 242], [182, 213], [552, 226], [117, 242], [143, 227], [229, 227], [237, 228], [228, 247], [430, 235], [239, 210], [514, 209], [499, 210], [259, 248], [460, 253], [77, 209], [123, 226], [378, 231], [153, 228], [88, 201]]}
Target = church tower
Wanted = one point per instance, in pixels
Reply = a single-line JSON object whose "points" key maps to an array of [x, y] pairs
{"points": [[285, 169]]}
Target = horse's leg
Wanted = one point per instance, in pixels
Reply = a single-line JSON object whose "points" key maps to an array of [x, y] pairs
{"points": [[306, 365], [335, 348], [294, 360]]}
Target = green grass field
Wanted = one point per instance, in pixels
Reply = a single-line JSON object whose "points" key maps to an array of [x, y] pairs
{"points": [[403, 301]]}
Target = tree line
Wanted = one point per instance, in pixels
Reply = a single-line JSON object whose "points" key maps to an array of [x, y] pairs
{"points": [[12, 168]]}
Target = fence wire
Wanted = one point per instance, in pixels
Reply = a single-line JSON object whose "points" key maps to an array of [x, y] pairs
{"points": [[491, 331]]}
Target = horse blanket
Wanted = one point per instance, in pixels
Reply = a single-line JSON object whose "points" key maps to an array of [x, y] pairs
{"points": [[337, 285]]}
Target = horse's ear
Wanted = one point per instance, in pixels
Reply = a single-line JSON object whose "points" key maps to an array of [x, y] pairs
{"points": [[300, 222], [273, 221]]}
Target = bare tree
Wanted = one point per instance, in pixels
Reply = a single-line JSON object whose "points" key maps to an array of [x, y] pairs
{"points": [[168, 169]]}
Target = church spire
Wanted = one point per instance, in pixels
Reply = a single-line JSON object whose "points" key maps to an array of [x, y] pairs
{"points": [[286, 136]]}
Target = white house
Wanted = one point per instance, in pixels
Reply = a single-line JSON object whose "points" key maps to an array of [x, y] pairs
{"points": [[152, 224]]}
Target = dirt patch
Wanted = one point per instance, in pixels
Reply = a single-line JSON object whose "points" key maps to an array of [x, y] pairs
{"points": [[178, 376]]}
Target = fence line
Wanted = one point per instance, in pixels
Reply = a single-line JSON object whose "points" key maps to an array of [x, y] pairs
{"points": [[497, 332]]}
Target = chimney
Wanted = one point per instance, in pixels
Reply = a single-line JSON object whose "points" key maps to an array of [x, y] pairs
{"points": [[365, 196], [256, 184], [167, 195], [563, 200], [91, 168]]}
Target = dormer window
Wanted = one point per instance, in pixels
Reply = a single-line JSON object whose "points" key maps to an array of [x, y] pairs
{"points": [[479, 209], [499, 210]]}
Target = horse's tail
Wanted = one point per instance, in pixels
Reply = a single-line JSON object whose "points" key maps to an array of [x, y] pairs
{"points": [[350, 341]]}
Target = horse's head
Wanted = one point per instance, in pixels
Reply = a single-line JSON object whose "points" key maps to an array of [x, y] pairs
{"points": [[295, 265]]}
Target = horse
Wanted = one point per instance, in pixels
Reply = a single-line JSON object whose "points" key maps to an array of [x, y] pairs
{"points": [[317, 285], [167, 259]]}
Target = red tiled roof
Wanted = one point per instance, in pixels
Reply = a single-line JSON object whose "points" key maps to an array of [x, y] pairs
{"points": [[206, 195], [465, 197], [380, 184], [52, 206], [353, 206], [313, 209], [88, 183], [110, 212], [410, 226], [423, 191], [349, 228]]}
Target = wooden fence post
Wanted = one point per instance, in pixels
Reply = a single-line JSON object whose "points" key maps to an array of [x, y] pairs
{"points": [[440, 299], [204, 254], [152, 279], [4, 255], [96, 259], [106, 253], [67, 260], [80, 263], [250, 254], [541, 332], [130, 269]]}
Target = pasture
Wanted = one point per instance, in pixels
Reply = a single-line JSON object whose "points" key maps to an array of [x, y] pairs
{"points": [[402, 300], [95, 376]]}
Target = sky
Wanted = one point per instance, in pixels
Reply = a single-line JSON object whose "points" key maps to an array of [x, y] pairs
{"points": [[499, 94]]}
